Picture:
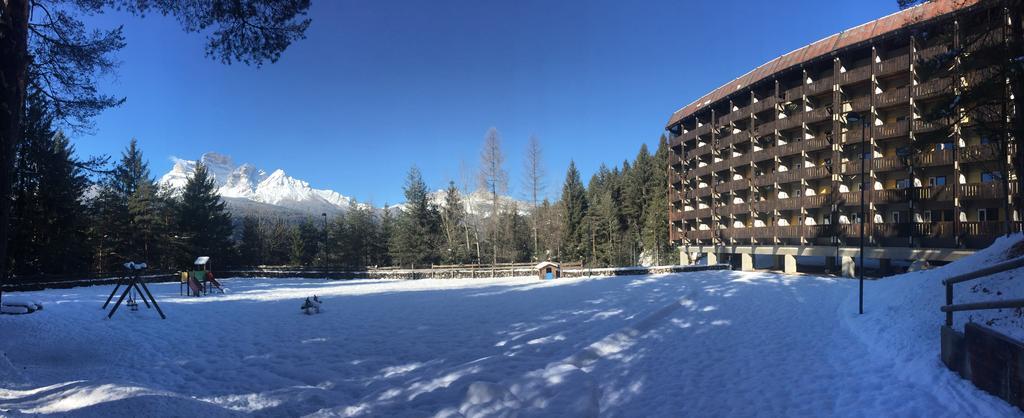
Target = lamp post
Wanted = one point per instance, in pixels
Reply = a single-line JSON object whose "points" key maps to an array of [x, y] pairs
{"points": [[327, 254], [856, 117]]}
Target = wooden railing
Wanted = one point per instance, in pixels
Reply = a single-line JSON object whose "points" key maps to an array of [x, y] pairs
{"points": [[893, 65], [934, 158], [821, 85], [761, 105], [893, 97], [933, 87], [892, 130], [978, 153], [855, 75], [949, 307], [817, 115], [928, 53]]}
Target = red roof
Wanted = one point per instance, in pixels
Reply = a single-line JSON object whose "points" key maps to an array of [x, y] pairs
{"points": [[873, 29]]}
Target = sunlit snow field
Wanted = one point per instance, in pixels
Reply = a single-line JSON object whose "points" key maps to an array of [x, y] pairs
{"points": [[692, 344]]}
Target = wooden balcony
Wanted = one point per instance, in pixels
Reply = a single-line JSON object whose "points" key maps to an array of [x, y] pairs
{"points": [[699, 171], [893, 97], [892, 130], [733, 139], [762, 206], [818, 115], [822, 85], [993, 190], [794, 94], [732, 185], [934, 158], [761, 105], [702, 130], [980, 153], [890, 196], [734, 209], [699, 234], [934, 193], [854, 134], [790, 122], [933, 88], [976, 228], [676, 216], [791, 203], [860, 104], [855, 75], [931, 52], [810, 145], [893, 65], [699, 151], [886, 164], [816, 201], [703, 191], [922, 126]]}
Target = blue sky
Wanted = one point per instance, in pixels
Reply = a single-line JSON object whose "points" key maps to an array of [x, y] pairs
{"points": [[379, 86]]}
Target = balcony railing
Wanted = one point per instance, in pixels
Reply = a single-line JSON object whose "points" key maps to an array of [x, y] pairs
{"points": [[926, 126], [818, 115], [732, 185], [928, 53], [794, 94], [979, 153], [893, 97], [816, 201], [821, 85], [933, 88], [893, 65], [892, 130], [993, 190], [855, 75], [703, 191], [761, 105], [700, 234], [934, 158]]}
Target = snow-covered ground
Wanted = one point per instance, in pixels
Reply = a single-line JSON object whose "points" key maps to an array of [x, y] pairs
{"points": [[716, 343]]}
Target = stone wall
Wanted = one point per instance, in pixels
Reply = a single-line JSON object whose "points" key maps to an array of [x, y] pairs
{"points": [[989, 359]]}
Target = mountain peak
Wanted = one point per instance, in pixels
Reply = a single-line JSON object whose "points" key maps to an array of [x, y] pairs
{"points": [[251, 183]]}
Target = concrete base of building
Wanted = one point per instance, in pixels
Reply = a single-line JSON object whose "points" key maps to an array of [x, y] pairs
{"points": [[685, 258], [712, 258], [788, 263], [746, 262], [884, 266]]}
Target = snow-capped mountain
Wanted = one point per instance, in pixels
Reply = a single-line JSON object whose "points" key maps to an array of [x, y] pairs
{"points": [[250, 183], [479, 202]]}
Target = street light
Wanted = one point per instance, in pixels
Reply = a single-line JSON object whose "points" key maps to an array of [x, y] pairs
{"points": [[856, 117]]}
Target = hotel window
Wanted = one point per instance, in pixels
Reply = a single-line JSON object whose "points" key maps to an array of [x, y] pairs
{"points": [[895, 217], [903, 184], [943, 146], [989, 214], [989, 176], [927, 216], [937, 181], [985, 139]]}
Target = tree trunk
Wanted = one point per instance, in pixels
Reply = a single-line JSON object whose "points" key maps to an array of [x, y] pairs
{"points": [[13, 75]]}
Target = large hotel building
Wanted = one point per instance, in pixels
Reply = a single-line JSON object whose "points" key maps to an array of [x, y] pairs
{"points": [[771, 163]]}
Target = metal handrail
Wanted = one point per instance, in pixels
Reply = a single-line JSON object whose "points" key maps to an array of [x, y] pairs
{"points": [[949, 307]]}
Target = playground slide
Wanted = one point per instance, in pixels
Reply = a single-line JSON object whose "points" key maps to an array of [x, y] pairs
{"points": [[215, 283], [193, 284]]}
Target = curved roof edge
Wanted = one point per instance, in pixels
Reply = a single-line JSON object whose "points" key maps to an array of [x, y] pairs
{"points": [[861, 33]]}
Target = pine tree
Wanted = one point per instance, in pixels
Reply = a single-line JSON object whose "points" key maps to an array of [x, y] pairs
{"points": [[453, 216], [250, 245], [415, 240], [574, 206], [655, 227], [48, 235], [386, 231], [203, 219]]}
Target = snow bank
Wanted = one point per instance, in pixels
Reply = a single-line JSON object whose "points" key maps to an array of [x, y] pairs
{"points": [[902, 318]]}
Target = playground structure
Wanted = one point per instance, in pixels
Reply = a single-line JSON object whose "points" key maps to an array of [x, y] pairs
{"points": [[199, 281], [132, 282]]}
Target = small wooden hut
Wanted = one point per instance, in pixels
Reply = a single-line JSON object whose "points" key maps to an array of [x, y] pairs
{"points": [[548, 270]]}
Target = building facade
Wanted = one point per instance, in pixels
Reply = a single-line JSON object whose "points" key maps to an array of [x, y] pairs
{"points": [[773, 162]]}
